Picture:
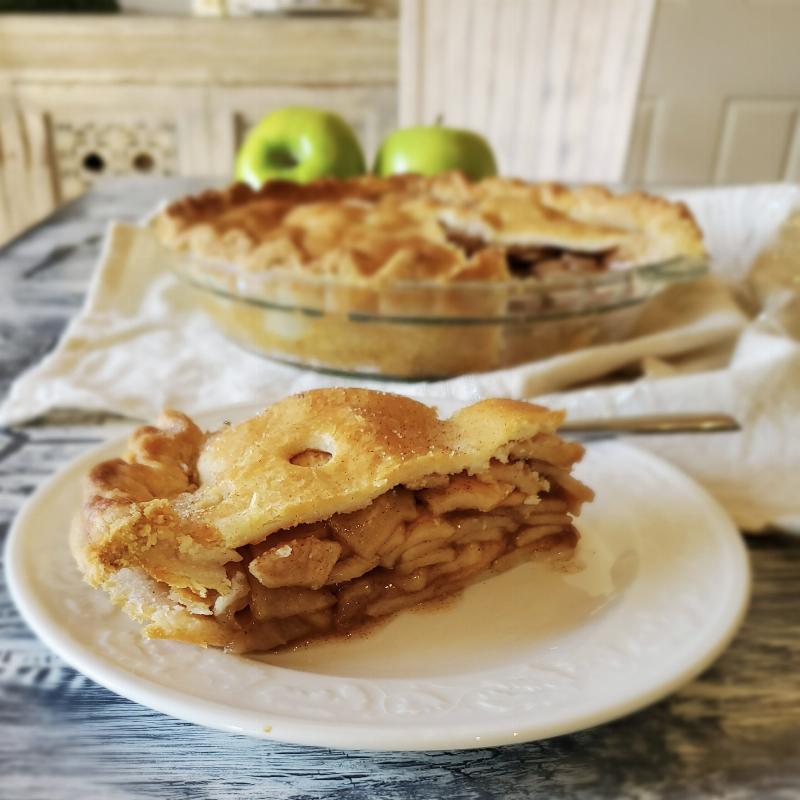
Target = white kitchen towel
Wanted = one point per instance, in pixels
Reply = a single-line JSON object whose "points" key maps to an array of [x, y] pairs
{"points": [[139, 345]]}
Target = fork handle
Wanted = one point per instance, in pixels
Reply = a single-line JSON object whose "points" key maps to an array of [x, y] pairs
{"points": [[658, 423]]}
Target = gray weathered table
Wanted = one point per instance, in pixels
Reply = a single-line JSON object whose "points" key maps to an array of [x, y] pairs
{"points": [[734, 733]]}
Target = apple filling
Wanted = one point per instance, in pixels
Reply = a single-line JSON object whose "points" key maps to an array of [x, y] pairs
{"points": [[531, 261], [551, 262], [412, 544]]}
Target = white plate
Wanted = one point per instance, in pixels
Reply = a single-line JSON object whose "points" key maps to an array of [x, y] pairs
{"points": [[527, 655]]}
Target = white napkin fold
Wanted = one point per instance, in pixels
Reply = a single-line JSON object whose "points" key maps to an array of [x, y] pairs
{"points": [[139, 345]]}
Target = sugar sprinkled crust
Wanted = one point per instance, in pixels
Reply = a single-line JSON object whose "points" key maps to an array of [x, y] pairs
{"points": [[238, 485], [409, 227]]}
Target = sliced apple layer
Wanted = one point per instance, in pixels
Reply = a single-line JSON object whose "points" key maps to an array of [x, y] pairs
{"points": [[406, 547]]}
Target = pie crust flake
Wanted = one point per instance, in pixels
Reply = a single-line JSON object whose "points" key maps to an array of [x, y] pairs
{"points": [[327, 511]]}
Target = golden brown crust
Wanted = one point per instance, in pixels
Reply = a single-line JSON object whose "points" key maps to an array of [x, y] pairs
{"points": [[377, 440], [129, 519], [408, 227], [664, 228]]}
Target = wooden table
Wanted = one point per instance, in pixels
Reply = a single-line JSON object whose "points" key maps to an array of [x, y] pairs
{"points": [[734, 733]]}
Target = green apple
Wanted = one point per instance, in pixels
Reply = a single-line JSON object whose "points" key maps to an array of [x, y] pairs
{"points": [[299, 144], [429, 150]]}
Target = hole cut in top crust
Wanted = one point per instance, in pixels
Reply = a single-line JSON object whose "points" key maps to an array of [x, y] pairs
{"points": [[311, 457]]}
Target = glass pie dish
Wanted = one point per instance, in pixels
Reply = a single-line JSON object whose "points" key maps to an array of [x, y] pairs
{"points": [[422, 329]]}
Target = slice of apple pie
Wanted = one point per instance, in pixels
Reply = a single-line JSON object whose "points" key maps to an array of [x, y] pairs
{"points": [[326, 511]]}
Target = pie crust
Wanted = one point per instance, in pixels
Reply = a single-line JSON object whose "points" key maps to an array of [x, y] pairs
{"points": [[328, 510], [444, 229]]}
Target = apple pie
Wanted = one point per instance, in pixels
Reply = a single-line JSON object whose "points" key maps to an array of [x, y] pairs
{"points": [[327, 511], [424, 277]]}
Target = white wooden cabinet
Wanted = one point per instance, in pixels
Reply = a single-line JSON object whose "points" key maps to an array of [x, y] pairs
{"points": [[82, 98]]}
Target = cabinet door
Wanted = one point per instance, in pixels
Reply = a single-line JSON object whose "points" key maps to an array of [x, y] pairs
{"points": [[88, 132], [720, 95], [370, 110], [552, 85]]}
